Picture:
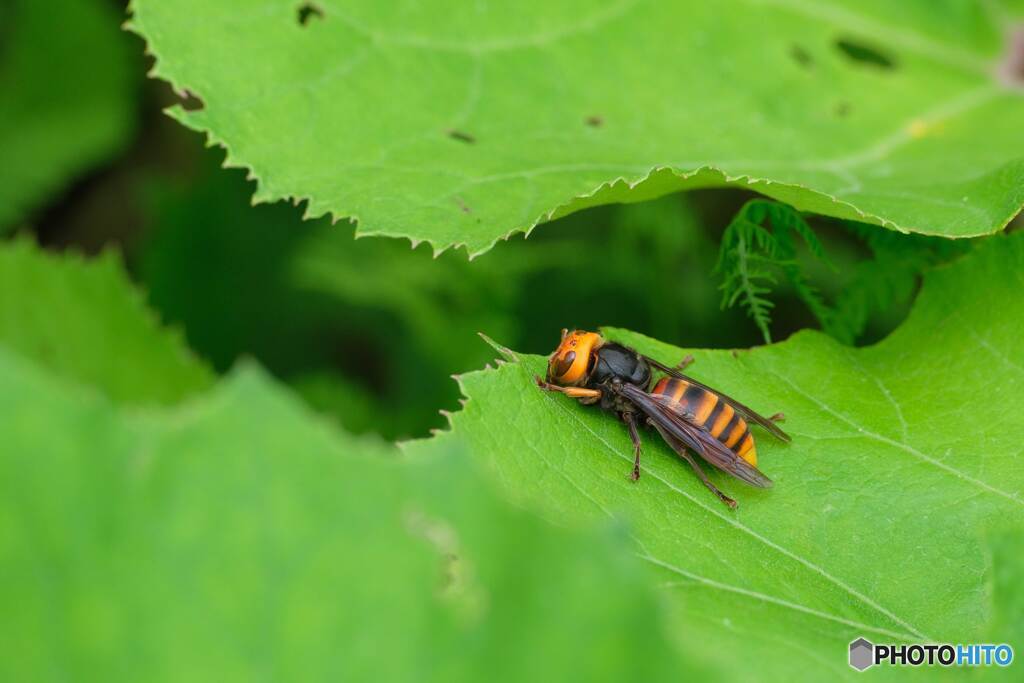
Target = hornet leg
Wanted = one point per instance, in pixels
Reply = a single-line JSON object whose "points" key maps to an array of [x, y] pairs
{"points": [[635, 436], [685, 362], [707, 482], [588, 395], [778, 417]]}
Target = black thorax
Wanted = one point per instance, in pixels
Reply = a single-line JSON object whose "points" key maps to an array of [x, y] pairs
{"points": [[617, 363]]}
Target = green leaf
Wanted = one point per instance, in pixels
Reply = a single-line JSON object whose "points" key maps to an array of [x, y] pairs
{"points": [[905, 457], [461, 125], [236, 538], [68, 78], [1007, 581], [83, 319]]}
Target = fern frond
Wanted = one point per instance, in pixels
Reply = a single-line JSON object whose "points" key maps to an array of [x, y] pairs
{"points": [[786, 224], [761, 242], [745, 259], [890, 276], [751, 253], [786, 220]]}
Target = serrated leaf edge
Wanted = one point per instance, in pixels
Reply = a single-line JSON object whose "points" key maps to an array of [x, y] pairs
{"points": [[264, 195]]}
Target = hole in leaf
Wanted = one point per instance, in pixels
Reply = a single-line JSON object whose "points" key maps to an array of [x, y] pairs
{"points": [[801, 56], [862, 53], [594, 121], [308, 11], [461, 136], [1012, 69]]}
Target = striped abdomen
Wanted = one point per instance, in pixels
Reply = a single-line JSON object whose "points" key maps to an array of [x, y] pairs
{"points": [[705, 409]]}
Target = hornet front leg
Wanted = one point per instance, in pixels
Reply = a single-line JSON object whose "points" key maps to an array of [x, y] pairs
{"points": [[585, 396]]}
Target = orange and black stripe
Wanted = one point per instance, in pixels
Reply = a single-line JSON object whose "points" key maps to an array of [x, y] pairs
{"points": [[705, 409]]}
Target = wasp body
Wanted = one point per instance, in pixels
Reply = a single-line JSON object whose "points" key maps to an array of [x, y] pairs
{"points": [[688, 415]]}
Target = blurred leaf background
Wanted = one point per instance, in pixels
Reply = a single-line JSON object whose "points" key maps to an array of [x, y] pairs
{"points": [[118, 222]]}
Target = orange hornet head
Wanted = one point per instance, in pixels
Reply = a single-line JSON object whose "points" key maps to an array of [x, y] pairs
{"points": [[570, 364]]}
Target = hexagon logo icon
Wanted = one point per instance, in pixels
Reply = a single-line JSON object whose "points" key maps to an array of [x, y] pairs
{"points": [[862, 654]]}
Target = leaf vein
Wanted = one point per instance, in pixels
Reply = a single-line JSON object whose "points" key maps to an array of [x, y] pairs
{"points": [[771, 599], [896, 444]]}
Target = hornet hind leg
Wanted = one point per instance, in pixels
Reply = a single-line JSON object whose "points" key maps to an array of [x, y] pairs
{"points": [[704, 478], [634, 435], [685, 362]]}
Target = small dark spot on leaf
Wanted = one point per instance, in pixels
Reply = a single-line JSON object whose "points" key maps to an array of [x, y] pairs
{"points": [[862, 53], [462, 205], [308, 11], [842, 109], [801, 56], [1012, 68], [189, 101], [461, 136], [594, 121]]}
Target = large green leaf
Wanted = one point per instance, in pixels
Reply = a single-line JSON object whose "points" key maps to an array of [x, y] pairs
{"points": [[905, 463], [66, 72], [461, 124], [237, 538], [83, 319]]}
